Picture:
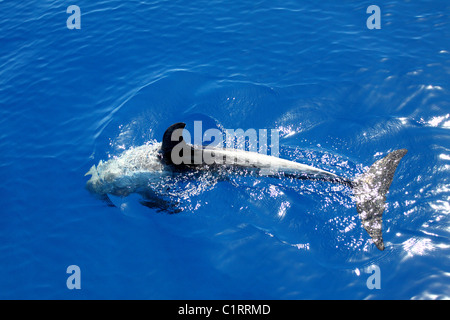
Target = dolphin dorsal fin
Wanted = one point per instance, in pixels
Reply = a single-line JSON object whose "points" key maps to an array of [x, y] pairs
{"points": [[168, 144]]}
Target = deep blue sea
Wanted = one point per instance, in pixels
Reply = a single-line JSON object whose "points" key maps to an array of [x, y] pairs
{"points": [[341, 95]]}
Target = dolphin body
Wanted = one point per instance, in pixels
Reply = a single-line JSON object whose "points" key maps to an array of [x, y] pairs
{"points": [[137, 169]]}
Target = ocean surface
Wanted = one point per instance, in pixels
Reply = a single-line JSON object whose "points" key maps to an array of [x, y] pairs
{"points": [[341, 95]]}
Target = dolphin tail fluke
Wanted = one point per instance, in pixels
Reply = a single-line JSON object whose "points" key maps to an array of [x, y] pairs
{"points": [[370, 193]]}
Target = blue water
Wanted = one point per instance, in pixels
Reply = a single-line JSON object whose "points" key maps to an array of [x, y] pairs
{"points": [[341, 95]]}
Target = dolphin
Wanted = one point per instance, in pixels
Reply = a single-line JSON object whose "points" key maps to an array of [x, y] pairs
{"points": [[137, 169]]}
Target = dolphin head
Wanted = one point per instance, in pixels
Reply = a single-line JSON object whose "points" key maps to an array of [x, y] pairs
{"points": [[129, 172]]}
